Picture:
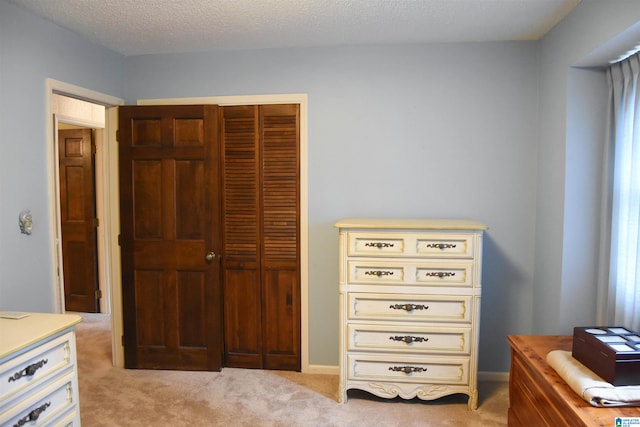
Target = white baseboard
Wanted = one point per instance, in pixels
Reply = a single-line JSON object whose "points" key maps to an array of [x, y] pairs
{"points": [[493, 376], [321, 369]]}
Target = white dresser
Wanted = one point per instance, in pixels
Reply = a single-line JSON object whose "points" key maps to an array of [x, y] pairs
{"points": [[38, 371], [410, 307]]}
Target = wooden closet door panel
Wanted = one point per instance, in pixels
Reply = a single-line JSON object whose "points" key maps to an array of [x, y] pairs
{"points": [[241, 219], [261, 235], [242, 322], [241, 214], [280, 182], [281, 318]]}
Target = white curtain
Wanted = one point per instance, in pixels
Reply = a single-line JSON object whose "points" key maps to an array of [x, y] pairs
{"points": [[620, 294]]}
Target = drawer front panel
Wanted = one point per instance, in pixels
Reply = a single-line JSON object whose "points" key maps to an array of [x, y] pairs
{"points": [[390, 338], [458, 274], [35, 365], [443, 273], [442, 370], [69, 419], [410, 307], [361, 244], [45, 405], [416, 245], [445, 245], [377, 272]]}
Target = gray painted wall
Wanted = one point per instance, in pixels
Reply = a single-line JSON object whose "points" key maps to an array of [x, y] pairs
{"points": [[443, 130], [565, 282], [32, 50], [397, 131]]}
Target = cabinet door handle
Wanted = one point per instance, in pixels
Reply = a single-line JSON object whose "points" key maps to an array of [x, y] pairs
{"points": [[441, 245], [407, 369], [29, 370], [378, 245], [378, 273], [440, 274], [33, 415], [409, 307], [408, 339]]}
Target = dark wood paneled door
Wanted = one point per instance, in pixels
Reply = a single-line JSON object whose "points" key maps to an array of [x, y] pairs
{"points": [[170, 237], [261, 236], [78, 220]]}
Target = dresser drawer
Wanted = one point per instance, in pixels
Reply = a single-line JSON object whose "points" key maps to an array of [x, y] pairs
{"points": [[36, 365], [422, 245], [445, 245], [384, 367], [44, 406], [367, 271], [439, 273], [422, 308], [406, 339], [68, 419], [376, 244]]}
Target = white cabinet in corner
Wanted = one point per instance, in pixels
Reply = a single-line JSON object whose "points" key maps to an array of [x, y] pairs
{"points": [[38, 371], [410, 307]]}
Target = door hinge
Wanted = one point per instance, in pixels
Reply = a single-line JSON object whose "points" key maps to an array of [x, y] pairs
{"points": [[96, 222], [98, 294], [94, 148], [118, 135], [119, 243], [122, 340]]}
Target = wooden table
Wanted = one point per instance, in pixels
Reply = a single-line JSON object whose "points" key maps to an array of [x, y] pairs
{"points": [[538, 396]]}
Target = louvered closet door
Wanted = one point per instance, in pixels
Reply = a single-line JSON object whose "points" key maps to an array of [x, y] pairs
{"points": [[261, 236], [280, 236]]}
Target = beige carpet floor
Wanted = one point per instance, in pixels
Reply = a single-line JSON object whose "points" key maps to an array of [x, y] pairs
{"points": [[245, 397]]}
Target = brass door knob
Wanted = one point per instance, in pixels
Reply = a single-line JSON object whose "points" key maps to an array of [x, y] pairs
{"points": [[210, 256]]}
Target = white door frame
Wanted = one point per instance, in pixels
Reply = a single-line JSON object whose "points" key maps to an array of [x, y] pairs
{"points": [[107, 202]]}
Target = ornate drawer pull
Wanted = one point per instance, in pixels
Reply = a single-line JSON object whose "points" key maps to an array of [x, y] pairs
{"points": [[407, 369], [441, 245], [379, 245], [441, 274], [409, 339], [378, 273], [29, 370], [33, 415], [409, 307]]}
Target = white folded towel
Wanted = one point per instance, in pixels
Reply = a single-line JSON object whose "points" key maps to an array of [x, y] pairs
{"points": [[590, 386]]}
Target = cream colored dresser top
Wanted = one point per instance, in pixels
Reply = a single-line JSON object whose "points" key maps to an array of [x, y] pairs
{"points": [[38, 371], [411, 224], [410, 307]]}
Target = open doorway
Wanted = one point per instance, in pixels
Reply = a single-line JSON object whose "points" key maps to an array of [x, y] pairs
{"points": [[70, 106], [78, 132]]}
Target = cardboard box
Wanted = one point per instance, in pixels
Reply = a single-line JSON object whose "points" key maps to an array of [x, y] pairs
{"points": [[612, 352]]}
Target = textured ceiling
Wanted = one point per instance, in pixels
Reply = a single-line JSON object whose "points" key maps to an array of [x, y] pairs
{"points": [[135, 27]]}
